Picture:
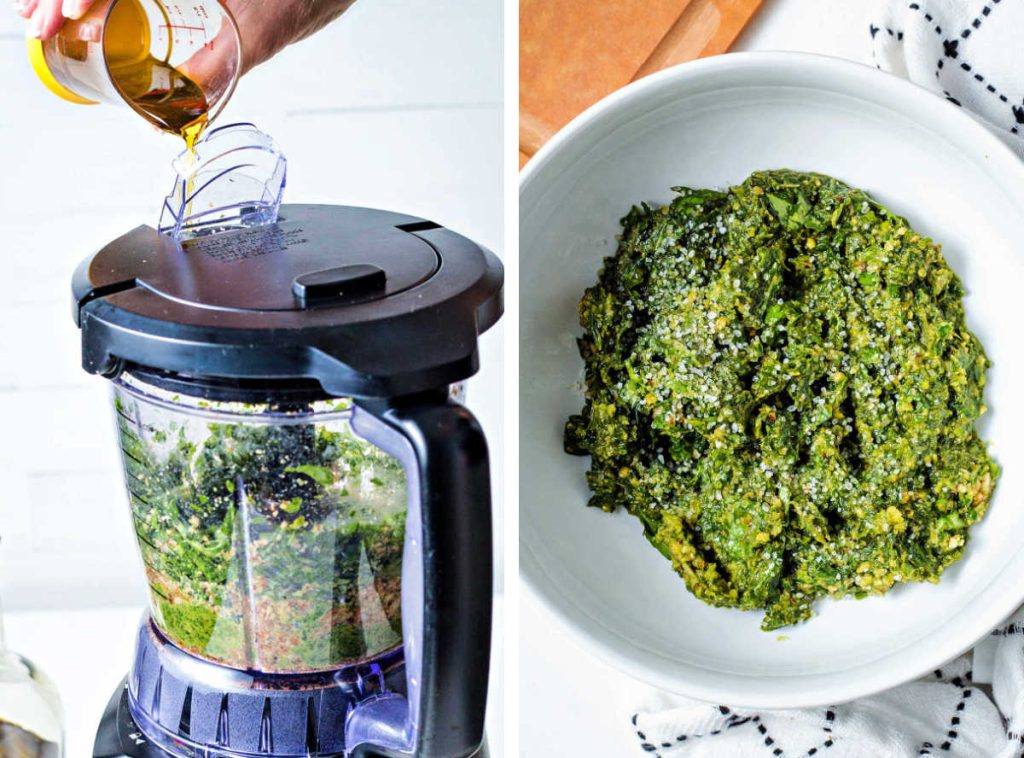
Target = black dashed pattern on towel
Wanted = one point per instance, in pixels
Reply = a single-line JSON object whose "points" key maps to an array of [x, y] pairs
{"points": [[957, 69]]}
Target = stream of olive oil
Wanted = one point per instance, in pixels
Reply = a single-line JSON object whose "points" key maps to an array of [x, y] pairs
{"points": [[161, 93]]}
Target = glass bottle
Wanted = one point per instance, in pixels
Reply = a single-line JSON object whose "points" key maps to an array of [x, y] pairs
{"points": [[31, 717]]}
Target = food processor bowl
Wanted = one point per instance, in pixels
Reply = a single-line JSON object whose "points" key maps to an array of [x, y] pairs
{"points": [[271, 534]]}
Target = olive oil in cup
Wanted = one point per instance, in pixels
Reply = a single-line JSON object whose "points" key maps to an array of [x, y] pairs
{"points": [[175, 65]]}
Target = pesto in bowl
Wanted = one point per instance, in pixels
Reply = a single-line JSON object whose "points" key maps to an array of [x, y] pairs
{"points": [[782, 387]]}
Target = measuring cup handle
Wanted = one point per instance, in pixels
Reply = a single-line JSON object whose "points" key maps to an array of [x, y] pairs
{"points": [[447, 580]]}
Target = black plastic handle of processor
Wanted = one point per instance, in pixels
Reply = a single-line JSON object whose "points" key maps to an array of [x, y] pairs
{"points": [[444, 452]]}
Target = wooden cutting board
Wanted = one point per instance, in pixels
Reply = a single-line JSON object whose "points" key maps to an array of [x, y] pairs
{"points": [[574, 52]]}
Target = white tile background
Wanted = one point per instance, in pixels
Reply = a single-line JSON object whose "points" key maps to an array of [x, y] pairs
{"points": [[397, 105]]}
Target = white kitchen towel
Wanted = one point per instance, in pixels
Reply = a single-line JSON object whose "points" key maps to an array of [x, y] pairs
{"points": [[943, 714], [967, 50]]}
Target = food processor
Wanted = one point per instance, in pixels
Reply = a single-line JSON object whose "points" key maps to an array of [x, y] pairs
{"points": [[310, 498]]}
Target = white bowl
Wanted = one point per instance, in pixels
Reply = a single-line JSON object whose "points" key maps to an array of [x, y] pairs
{"points": [[710, 124]]}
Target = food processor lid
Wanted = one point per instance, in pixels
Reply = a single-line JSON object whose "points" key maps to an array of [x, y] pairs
{"points": [[361, 302]]}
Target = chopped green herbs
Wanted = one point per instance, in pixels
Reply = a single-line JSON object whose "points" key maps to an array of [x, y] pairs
{"points": [[781, 386], [274, 546]]}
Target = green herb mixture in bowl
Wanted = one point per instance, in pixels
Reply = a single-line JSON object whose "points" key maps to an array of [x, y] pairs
{"points": [[782, 387], [712, 124], [272, 539]]}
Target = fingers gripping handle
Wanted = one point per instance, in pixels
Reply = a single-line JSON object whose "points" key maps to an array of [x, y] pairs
{"points": [[446, 583]]}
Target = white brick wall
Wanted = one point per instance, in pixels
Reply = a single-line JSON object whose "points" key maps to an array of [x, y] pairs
{"points": [[397, 105]]}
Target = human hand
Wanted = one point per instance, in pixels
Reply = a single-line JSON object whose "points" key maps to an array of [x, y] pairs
{"points": [[265, 28], [46, 16]]}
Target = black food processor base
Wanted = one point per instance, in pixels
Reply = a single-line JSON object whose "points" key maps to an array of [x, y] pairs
{"points": [[175, 704], [119, 736]]}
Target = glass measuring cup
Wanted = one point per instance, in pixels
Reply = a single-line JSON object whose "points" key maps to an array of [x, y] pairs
{"points": [[175, 64]]}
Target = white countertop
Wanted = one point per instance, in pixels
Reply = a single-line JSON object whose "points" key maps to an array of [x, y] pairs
{"points": [[87, 653], [571, 703]]}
